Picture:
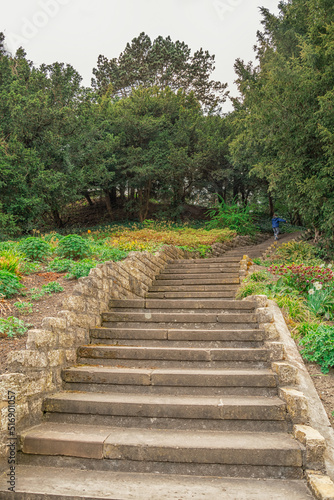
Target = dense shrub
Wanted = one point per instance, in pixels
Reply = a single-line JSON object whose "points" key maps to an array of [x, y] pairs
{"points": [[318, 345], [9, 284], [81, 269], [60, 265], [35, 248], [235, 217], [73, 246]]}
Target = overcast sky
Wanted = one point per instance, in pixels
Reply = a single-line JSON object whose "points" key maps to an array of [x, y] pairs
{"points": [[77, 31]]}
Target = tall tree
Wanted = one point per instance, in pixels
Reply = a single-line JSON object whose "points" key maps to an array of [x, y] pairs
{"points": [[286, 114], [159, 63]]}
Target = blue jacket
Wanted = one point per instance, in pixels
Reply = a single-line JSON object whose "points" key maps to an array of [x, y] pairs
{"points": [[276, 220]]}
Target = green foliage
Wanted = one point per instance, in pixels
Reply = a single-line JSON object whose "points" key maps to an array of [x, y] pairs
{"points": [[104, 252], [81, 269], [9, 284], [24, 307], [320, 301], [35, 248], [203, 250], [318, 345], [292, 84], [28, 267], [48, 288], [301, 277], [12, 327], [60, 265], [251, 288], [294, 306], [296, 252], [73, 246], [52, 287], [163, 63], [235, 217], [12, 261], [259, 276]]}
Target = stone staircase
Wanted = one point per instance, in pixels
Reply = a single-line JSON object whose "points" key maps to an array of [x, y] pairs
{"points": [[173, 399]]}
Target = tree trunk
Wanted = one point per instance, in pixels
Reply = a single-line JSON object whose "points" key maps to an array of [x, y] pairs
{"points": [[271, 205], [56, 218], [88, 198], [113, 196], [108, 203]]}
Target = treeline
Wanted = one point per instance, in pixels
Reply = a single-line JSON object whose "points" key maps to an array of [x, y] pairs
{"points": [[151, 127]]}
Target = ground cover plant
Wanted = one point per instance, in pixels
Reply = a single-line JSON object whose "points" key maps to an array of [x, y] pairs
{"points": [[303, 287]]}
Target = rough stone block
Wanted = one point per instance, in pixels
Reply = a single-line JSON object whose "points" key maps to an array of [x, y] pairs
{"points": [[54, 324], [28, 359], [75, 303], [261, 300], [315, 446], [287, 374], [321, 485], [296, 404], [270, 330], [276, 350], [265, 315], [71, 356], [41, 339], [67, 339], [56, 357]]}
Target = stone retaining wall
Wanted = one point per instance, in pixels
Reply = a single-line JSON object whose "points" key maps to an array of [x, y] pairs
{"points": [[36, 371]]}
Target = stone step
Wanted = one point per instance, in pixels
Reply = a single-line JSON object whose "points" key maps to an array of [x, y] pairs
{"points": [[167, 406], [42, 483], [171, 378], [208, 268], [169, 423], [163, 445], [189, 335], [160, 304], [172, 354], [193, 288], [171, 317], [198, 281], [180, 326], [198, 277], [212, 260], [191, 295]]}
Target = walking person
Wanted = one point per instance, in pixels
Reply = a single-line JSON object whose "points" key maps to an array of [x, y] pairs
{"points": [[275, 223]]}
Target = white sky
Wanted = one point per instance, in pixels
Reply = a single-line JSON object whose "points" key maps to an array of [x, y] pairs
{"points": [[77, 31]]}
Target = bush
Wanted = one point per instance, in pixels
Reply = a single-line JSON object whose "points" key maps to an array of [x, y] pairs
{"points": [[320, 301], [318, 346], [12, 326], [73, 246], [81, 269], [35, 248], [60, 265], [12, 261], [9, 284], [235, 217]]}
